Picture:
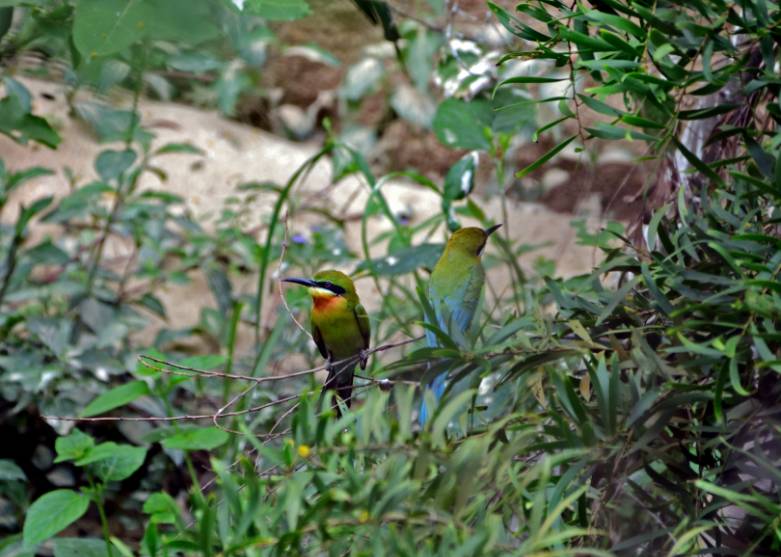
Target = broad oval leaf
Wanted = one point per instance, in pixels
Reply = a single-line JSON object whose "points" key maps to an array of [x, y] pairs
{"points": [[462, 124], [80, 547], [116, 397], [114, 462], [73, 446], [460, 179], [196, 439], [111, 164], [9, 471], [403, 261], [51, 513]]}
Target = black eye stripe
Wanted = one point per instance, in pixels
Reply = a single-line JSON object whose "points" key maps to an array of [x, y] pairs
{"points": [[331, 286]]}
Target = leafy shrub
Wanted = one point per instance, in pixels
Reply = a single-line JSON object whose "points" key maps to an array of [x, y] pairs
{"points": [[628, 411]]}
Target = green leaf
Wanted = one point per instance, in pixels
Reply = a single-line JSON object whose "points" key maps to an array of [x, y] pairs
{"points": [[544, 158], [523, 79], [6, 18], [618, 22], [293, 497], [278, 10], [683, 542], [516, 26], [51, 513], [698, 164], [617, 298], [114, 398], [460, 179], [109, 124], [599, 106], [403, 261], [604, 130], [73, 446], [444, 414], [764, 160], [18, 178], [662, 302], [460, 124], [79, 547], [734, 377], [104, 27], [603, 64], [203, 361], [170, 148], [702, 113], [78, 202], [9, 471], [181, 21], [112, 164], [112, 461], [18, 123], [586, 42], [162, 509], [196, 439]]}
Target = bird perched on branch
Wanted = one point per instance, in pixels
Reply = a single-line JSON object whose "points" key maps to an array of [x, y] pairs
{"points": [[340, 328], [379, 12], [454, 293]]}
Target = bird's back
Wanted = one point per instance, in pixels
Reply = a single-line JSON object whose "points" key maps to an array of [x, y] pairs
{"points": [[454, 292]]}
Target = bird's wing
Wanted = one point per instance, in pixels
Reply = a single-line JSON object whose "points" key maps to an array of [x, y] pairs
{"points": [[318, 338], [362, 318], [456, 311], [363, 324]]}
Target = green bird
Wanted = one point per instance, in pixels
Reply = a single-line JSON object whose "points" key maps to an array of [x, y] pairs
{"points": [[454, 292], [340, 329]]}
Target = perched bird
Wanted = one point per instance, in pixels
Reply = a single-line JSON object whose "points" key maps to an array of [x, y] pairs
{"points": [[379, 12], [454, 291], [340, 328]]}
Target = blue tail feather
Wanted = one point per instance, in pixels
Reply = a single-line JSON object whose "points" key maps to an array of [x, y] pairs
{"points": [[438, 388]]}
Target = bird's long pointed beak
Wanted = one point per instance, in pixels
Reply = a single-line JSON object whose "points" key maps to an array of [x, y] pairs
{"points": [[492, 229], [302, 281]]}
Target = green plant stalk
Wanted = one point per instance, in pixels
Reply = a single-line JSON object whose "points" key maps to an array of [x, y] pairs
{"points": [[98, 500], [10, 264], [234, 325], [104, 526], [272, 227], [197, 491], [131, 131], [505, 243], [119, 199], [187, 460]]}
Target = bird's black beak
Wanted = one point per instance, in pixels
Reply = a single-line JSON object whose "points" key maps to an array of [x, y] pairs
{"points": [[492, 229], [302, 281]]}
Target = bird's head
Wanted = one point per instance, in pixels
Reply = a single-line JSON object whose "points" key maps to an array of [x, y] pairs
{"points": [[471, 240], [327, 286]]}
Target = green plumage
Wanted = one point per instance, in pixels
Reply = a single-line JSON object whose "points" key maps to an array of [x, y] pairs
{"points": [[454, 292], [340, 328]]}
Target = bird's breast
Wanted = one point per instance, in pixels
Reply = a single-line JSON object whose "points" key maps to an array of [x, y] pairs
{"points": [[326, 303]]}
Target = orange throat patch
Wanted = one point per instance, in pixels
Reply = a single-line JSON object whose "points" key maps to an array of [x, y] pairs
{"points": [[326, 303]]}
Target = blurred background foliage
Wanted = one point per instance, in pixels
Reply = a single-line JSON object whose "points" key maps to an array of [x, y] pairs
{"points": [[632, 410]]}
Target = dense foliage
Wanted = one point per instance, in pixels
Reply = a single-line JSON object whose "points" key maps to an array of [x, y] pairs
{"points": [[630, 411]]}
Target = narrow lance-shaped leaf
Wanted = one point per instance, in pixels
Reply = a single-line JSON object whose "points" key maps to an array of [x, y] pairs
{"points": [[545, 158]]}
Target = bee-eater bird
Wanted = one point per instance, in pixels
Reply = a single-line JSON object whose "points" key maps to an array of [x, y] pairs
{"points": [[454, 291], [340, 328]]}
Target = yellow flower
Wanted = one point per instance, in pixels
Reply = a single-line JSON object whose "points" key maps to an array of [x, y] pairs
{"points": [[304, 451], [363, 516]]}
